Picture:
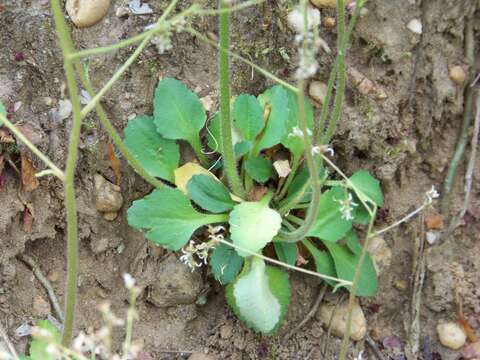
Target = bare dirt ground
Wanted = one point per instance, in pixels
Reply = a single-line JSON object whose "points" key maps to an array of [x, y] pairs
{"points": [[403, 128]]}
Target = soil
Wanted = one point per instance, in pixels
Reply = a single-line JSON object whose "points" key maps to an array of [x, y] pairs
{"points": [[402, 128]]}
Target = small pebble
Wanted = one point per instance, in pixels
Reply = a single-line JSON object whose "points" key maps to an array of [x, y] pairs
{"points": [[401, 285], [85, 13], [329, 22], [415, 26], [317, 91], [457, 74], [366, 86], [339, 321], [431, 237], [122, 12], [226, 332], [451, 335], [110, 216], [64, 109], [108, 198], [53, 276]]}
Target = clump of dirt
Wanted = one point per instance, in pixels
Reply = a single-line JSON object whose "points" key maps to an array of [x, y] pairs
{"points": [[401, 125]]}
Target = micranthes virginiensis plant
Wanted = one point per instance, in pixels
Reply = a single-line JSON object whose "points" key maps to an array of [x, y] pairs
{"points": [[281, 115]]}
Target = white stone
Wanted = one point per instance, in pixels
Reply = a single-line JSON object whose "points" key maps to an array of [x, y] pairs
{"points": [[451, 335], [380, 253], [415, 26]]}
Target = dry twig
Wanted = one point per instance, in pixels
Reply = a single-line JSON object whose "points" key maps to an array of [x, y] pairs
{"points": [[7, 341], [31, 263], [321, 293]]}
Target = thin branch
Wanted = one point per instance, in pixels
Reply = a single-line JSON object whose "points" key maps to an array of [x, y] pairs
{"points": [[467, 115], [340, 282], [9, 344], [471, 162], [321, 293], [32, 264], [55, 170], [261, 70]]}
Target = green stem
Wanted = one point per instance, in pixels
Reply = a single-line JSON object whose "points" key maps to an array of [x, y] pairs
{"points": [[353, 289], [55, 170], [312, 211], [343, 42], [228, 154], [93, 102], [117, 140], [295, 219], [467, 116], [229, 9], [261, 70], [70, 202], [159, 28]]}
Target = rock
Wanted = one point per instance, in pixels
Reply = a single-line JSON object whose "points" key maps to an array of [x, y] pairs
{"points": [[201, 356], [457, 74], [366, 86], [317, 91], [122, 12], [99, 245], [401, 285], [41, 307], [329, 22], [107, 195], [53, 276], [380, 253], [451, 335], [85, 13], [64, 109], [110, 216], [175, 284], [226, 331], [415, 26], [339, 321]]}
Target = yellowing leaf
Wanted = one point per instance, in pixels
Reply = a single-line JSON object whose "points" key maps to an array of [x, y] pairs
{"points": [[184, 173]]}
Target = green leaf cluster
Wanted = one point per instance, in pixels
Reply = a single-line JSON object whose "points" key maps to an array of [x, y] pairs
{"points": [[263, 127]]}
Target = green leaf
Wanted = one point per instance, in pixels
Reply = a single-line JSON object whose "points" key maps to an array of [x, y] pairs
{"points": [[351, 240], [3, 111], [169, 217], [276, 127], [286, 251], [292, 142], [157, 155], [259, 168], [253, 225], [346, 263], [323, 261], [242, 147], [368, 185], [210, 194], [178, 113], [248, 116], [331, 224], [225, 263], [38, 348], [260, 296]]}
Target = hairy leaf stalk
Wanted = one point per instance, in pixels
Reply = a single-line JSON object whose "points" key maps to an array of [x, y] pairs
{"points": [[228, 154]]}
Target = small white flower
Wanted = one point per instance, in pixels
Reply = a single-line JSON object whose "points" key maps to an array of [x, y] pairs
{"points": [[430, 195], [297, 20], [346, 207], [189, 256], [128, 280], [296, 131], [322, 149], [360, 356]]}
